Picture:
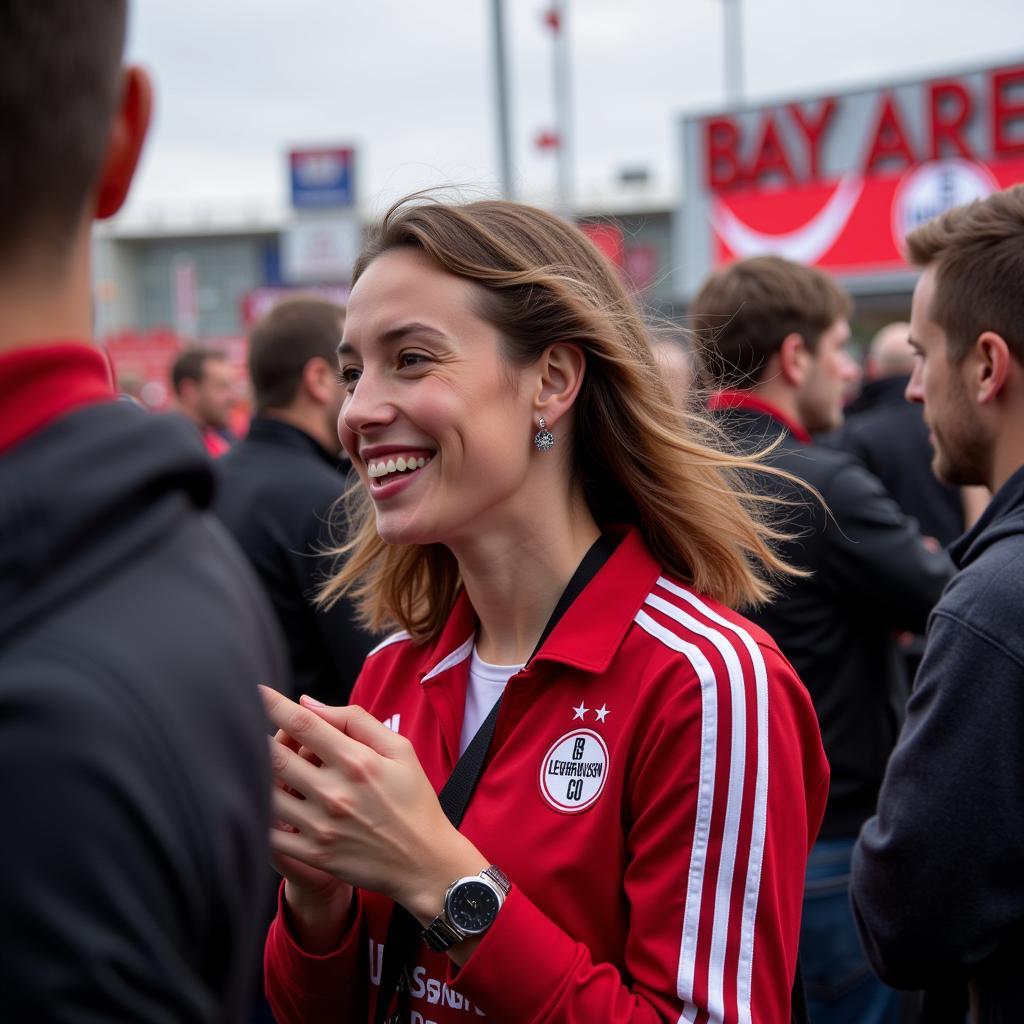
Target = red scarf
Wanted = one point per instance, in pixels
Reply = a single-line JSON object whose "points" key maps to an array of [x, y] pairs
{"points": [[729, 399]]}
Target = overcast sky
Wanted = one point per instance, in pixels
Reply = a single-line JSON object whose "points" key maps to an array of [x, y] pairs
{"points": [[409, 82]]}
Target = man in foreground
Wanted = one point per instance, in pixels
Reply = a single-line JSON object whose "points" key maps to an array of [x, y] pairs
{"points": [[938, 888], [772, 335], [132, 635]]}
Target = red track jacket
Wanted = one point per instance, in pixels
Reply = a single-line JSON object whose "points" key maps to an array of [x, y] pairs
{"points": [[654, 785]]}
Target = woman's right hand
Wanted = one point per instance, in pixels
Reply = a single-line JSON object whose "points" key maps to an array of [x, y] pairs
{"points": [[316, 902]]}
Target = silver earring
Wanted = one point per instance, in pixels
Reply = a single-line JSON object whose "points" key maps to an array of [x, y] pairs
{"points": [[543, 440]]}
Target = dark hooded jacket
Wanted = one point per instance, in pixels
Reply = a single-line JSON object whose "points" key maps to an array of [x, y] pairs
{"points": [[132, 740], [938, 873]]}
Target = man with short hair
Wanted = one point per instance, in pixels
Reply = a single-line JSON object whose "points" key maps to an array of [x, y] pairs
{"points": [[277, 488], [275, 493], [772, 335], [938, 885], [204, 392], [132, 636]]}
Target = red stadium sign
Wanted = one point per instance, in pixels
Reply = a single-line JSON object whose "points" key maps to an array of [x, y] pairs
{"points": [[838, 181]]}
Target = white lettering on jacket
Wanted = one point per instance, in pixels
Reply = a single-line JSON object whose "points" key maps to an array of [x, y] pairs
{"points": [[422, 986]]}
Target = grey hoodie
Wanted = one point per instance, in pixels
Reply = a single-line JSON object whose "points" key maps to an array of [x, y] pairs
{"points": [[938, 873]]}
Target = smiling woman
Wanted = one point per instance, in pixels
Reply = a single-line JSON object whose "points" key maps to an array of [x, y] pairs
{"points": [[550, 531], [520, 278]]}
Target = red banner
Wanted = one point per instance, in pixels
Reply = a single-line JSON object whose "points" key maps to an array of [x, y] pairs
{"points": [[856, 224]]}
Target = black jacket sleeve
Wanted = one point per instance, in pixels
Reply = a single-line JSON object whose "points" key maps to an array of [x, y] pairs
{"points": [[876, 553], [937, 872]]}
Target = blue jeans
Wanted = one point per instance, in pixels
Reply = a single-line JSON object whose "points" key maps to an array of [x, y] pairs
{"points": [[841, 987]]}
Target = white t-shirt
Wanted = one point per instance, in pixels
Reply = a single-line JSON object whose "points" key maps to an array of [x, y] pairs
{"points": [[486, 685]]}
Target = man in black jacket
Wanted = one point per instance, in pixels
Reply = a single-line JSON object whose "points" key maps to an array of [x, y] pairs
{"points": [[938, 884], [132, 741], [276, 490], [772, 335], [275, 494]]}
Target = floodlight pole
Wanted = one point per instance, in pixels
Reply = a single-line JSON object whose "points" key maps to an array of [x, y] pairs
{"points": [[732, 39], [501, 100], [558, 20]]}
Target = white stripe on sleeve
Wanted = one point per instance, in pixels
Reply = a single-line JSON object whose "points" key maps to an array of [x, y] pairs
{"points": [[705, 801], [752, 885], [734, 793]]}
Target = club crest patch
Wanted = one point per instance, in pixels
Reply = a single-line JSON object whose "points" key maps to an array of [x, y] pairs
{"points": [[574, 770]]}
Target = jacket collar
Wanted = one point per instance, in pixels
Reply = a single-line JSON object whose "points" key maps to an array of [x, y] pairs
{"points": [[884, 391], [267, 429], [41, 383], [730, 399], [591, 630], [1003, 516]]}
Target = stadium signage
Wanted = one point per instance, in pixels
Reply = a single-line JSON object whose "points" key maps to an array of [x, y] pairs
{"points": [[952, 106], [837, 180]]}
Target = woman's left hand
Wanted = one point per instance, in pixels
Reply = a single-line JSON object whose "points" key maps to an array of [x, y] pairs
{"points": [[367, 814]]}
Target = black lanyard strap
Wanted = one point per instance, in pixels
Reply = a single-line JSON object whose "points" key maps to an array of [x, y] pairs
{"points": [[403, 928]]}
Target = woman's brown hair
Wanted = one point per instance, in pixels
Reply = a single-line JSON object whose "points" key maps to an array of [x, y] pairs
{"points": [[638, 457]]}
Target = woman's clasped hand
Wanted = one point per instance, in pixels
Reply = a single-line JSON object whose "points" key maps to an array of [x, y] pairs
{"points": [[353, 806]]}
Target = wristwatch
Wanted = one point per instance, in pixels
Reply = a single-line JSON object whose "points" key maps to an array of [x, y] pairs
{"points": [[470, 906]]}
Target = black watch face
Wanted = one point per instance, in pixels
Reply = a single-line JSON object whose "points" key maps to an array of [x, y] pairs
{"points": [[472, 906]]}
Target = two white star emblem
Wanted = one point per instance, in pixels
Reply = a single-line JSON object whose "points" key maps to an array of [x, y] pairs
{"points": [[581, 712]]}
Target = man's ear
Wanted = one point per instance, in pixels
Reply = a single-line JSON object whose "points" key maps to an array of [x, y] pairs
{"points": [[561, 374], [124, 143], [990, 366], [793, 359], [319, 380]]}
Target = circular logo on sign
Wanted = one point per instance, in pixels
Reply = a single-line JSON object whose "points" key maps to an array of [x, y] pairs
{"points": [[933, 188], [574, 770]]}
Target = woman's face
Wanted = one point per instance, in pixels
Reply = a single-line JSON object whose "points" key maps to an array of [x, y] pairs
{"points": [[437, 424]]}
